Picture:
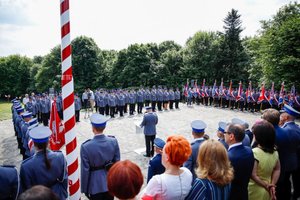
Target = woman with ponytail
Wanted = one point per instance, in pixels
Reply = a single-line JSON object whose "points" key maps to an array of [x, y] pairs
{"points": [[45, 167]]}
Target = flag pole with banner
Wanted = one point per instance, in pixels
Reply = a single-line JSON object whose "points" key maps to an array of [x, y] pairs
{"points": [[68, 102]]}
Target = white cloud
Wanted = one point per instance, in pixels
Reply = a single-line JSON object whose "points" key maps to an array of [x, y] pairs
{"points": [[115, 24]]}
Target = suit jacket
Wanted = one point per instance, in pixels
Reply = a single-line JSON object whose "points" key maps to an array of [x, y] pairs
{"points": [[9, 182], [149, 123], [34, 172], [288, 143], [94, 153], [191, 163], [242, 161]]}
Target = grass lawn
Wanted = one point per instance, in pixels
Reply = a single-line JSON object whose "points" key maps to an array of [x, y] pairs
{"points": [[5, 110]]}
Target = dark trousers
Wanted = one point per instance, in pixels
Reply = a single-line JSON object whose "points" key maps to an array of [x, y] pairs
{"points": [[77, 115], [39, 116], [101, 110], [101, 196], [149, 139], [61, 114], [153, 105], [131, 108], [125, 108], [121, 110], [283, 189], [140, 107], [112, 111], [176, 103], [106, 110], [159, 105], [147, 102], [211, 100], [296, 182], [45, 118], [171, 104]]}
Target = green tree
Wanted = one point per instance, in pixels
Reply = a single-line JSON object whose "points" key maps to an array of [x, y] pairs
{"points": [[280, 46], [233, 59], [200, 57], [14, 75], [86, 61], [49, 72]]}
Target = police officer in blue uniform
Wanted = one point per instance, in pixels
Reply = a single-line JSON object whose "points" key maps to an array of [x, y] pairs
{"points": [[221, 132], [77, 102], [177, 98], [9, 183], [97, 155], [45, 109], [291, 156], [121, 103], [153, 98], [155, 165], [24, 128], [31, 124], [46, 167], [140, 101], [149, 122], [198, 130]]}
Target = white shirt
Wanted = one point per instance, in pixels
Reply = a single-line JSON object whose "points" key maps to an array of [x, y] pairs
{"points": [[234, 145], [170, 187]]}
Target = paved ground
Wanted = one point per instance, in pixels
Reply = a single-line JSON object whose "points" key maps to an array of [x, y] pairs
{"points": [[132, 145]]}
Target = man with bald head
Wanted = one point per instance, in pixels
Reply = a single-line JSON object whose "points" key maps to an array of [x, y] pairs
{"points": [[242, 161]]}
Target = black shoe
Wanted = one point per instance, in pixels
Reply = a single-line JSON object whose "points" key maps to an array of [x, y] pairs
{"points": [[145, 155]]}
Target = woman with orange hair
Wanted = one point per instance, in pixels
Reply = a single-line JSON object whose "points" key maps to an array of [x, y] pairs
{"points": [[214, 172], [124, 180], [176, 182]]}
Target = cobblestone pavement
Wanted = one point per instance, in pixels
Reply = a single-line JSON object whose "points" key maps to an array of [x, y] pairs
{"points": [[132, 144]]}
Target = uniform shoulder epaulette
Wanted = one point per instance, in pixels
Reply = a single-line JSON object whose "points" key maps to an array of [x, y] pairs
{"points": [[57, 151], [24, 161], [111, 136], [86, 141], [10, 166]]}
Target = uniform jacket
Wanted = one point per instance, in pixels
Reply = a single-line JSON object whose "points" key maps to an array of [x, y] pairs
{"points": [[155, 167], [149, 123], [288, 144], [191, 163], [34, 172], [9, 182], [94, 153], [242, 161]]}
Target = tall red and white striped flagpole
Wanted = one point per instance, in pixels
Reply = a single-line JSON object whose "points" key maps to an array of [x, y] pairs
{"points": [[68, 102]]}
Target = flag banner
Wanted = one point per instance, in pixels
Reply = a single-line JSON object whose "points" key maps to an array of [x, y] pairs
{"points": [[262, 94], [240, 91], [230, 90], [281, 95], [57, 139], [221, 88], [186, 87]]}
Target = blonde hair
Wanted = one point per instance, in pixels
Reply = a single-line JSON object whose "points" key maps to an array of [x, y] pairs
{"points": [[213, 163]]}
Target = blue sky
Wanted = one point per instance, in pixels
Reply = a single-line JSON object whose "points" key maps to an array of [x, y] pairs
{"points": [[32, 27]]}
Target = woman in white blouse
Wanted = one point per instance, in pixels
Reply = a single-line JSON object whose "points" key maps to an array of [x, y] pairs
{"points": [[175, 183]]}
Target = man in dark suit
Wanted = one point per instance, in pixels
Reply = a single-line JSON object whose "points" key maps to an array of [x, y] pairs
{"points": [[198, 128], [149, 122], [242, 161]]}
